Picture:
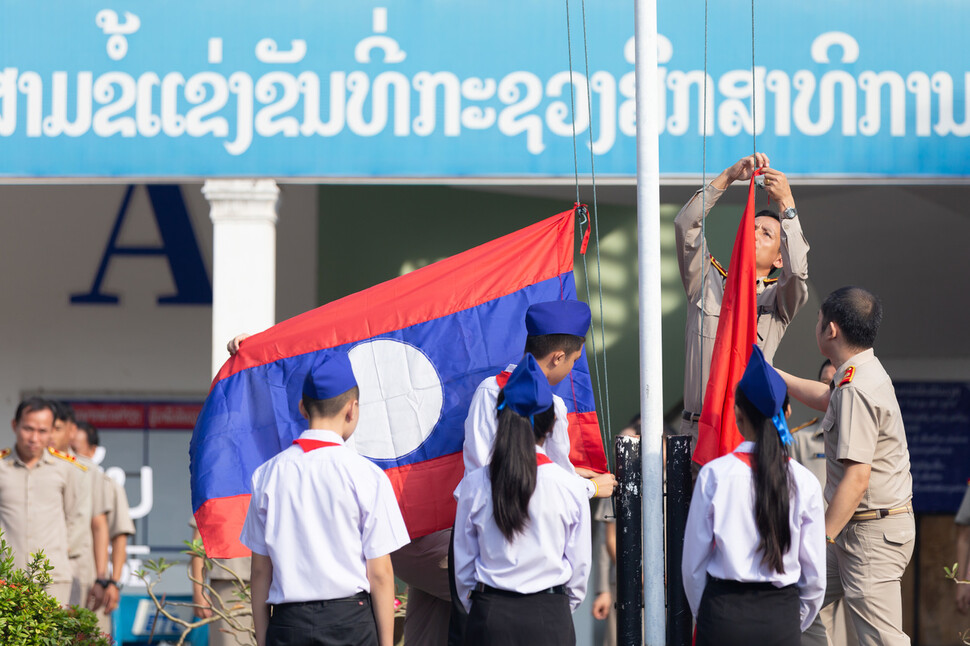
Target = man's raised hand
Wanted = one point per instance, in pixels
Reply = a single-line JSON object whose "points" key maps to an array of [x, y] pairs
{"points": [[740, 170]]}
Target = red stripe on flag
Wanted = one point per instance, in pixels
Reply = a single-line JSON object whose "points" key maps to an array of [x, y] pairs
{"points": [[586, 442], [418, 488], [415, 486], [737, 332], [225, 518], [479, 275]]}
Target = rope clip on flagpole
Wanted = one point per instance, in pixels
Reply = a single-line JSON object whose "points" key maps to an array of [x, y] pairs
{"points": [[582, 211]]}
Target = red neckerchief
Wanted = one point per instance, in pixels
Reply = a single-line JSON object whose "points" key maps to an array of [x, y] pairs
{"points": [[745, 457], [312, 445]]}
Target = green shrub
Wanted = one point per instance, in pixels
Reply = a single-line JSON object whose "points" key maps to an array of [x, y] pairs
{"points": [[29, 616]]}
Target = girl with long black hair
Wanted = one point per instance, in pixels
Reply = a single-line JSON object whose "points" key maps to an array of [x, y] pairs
{"points": [[522, 528], [754, 550]]}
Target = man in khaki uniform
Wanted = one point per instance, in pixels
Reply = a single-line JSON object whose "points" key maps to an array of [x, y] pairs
{"points": [[39, 486], [809, 446], [118, 526], [779, 244], [869, 521], [809, 450], [88, 543]]}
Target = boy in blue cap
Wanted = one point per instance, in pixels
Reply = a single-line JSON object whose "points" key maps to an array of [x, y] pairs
{"points": [[556, 333], [322, 523], [754, 546]]}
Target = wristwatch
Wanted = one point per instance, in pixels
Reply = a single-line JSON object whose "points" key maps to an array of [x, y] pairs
{"points": [[104, 583], [790, 212]]}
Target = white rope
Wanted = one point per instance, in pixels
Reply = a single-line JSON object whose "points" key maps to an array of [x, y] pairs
{"points": [[705, 262], [602, 402]]}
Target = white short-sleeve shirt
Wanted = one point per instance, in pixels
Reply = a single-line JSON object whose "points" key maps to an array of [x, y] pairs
{"points": [[722, 538], [553, 549], [319, 516]]}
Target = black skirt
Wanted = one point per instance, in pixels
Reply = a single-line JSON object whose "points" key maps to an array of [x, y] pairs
{"points": [[508, 619], [745, 614]]}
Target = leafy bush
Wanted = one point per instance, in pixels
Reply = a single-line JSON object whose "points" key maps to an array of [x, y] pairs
{"points": [[31, 617]]}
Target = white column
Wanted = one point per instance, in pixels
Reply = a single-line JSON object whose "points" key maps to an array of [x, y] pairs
{"points": [[243, 213]]}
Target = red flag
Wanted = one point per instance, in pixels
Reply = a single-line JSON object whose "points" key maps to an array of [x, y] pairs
{"points": [[737, 332]]}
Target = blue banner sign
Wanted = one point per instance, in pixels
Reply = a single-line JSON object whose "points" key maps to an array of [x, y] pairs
{"points": [[469, 88], [937, 420]]}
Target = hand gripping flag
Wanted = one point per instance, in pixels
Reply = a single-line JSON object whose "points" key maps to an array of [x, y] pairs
{"points": [[737, 332], [420, 344]]}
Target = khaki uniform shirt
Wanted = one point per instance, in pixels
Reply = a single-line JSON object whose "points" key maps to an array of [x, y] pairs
{"points": [[81, 540], [809, 448], [963, 515], [778, 299], [119, 513], [39, 508], [863, 424]]}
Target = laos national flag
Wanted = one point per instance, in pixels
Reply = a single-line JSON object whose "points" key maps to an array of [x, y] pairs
{"points": [[420, 345]]}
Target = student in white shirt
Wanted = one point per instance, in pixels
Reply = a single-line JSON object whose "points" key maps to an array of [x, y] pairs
{"points": [[754, 550], [322, 523], [522, 534], [555, 334]]}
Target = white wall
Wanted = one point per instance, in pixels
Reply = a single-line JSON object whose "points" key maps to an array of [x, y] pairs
{"points": [[52, 239]]}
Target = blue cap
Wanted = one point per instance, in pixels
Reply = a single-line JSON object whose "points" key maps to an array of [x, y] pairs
{"points": [[558, 317], [765, 388], [330, 375], [527, 391]]}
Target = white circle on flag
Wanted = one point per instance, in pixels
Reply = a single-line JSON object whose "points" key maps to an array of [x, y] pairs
{"points": [[400, 398]]}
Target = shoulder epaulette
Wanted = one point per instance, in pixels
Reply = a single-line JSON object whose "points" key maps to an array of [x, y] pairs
{"points": [[847, 378], [769, 281], [4, 453], [805, 425], [66, 457], [721, 270]]}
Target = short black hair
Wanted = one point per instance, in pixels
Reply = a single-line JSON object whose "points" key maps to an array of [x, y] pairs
{"points": [[90, 432], [857, 312], [32, 405], [825, 364], [542, 345], [768, 213], [63, 412], [329, 407]]}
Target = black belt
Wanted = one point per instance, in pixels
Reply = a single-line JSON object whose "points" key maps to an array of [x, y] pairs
{"points": [[323, 603], [876, 514], [689, 416], [730, 584], [556, 589]]}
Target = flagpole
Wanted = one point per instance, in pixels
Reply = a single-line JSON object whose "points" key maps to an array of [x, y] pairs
{"points": [[651, 385]]}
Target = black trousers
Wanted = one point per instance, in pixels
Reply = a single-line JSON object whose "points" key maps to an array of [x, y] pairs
{"points": [[506, 619], [748, 614], [459, 618], [337, 622]]}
